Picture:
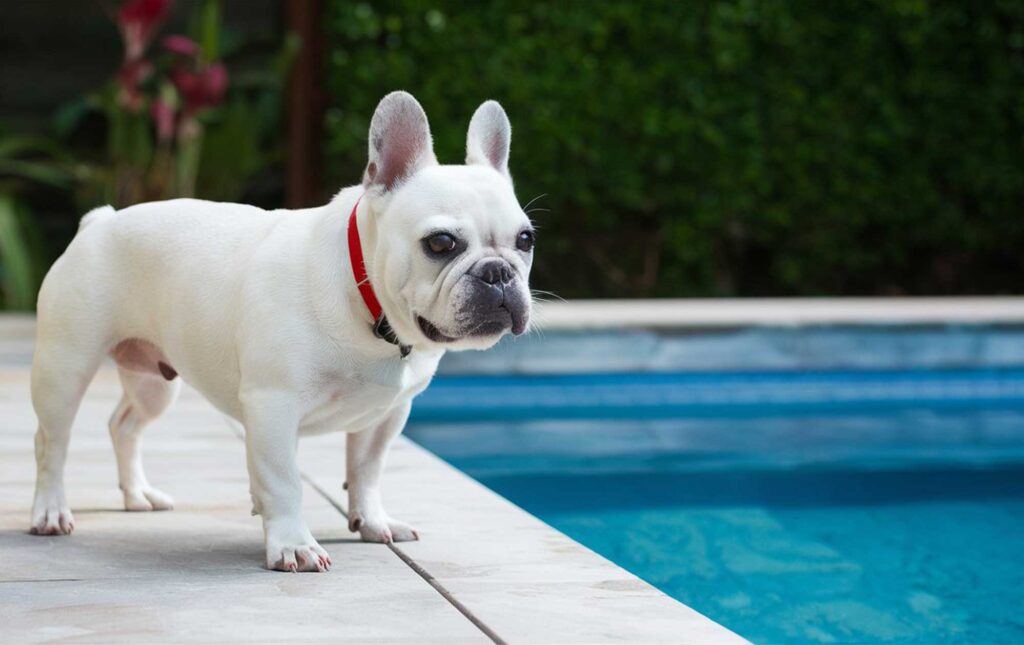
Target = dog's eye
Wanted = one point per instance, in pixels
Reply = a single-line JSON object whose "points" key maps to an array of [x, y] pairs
{"points": [[525, 240], [441, 243]]}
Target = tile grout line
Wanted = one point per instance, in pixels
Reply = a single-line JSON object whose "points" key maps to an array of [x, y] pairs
{"points": [[423, 573], [237, 430]]}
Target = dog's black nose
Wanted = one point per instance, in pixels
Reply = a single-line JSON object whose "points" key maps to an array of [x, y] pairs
{"points": [[493, 271]]}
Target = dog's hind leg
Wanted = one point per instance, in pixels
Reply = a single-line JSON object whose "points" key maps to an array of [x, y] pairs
{"points": [[146, 396], [60, 375]]}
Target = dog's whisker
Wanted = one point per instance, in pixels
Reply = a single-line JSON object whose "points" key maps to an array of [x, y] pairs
{"points": [[533, 200], [538, 292]]}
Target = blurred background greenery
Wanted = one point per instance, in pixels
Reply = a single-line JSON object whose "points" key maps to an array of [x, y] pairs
{"points": [[708, 148]]}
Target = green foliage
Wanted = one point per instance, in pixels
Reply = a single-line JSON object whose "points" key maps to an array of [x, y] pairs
{"points": [[213, 151], [245, 136], [108, 151], [32, 158], [739, 147], [25, 161], [17, 275], [209, 29]]}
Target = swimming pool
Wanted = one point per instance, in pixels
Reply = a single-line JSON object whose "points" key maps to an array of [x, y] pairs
{"points": [[791, 505]]}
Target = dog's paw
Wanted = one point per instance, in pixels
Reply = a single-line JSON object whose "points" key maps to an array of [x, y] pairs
{"points": [[147, 499], [294, 549], [298, 557], [382, 529], [52, 519]]}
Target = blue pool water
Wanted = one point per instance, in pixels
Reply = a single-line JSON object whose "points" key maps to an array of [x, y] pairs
{"points": [[789, 506]]}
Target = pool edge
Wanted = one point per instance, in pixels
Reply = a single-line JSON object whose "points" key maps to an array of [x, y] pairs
{"points": [[523, 579]]}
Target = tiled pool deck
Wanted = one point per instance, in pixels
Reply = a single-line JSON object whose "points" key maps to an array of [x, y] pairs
{"points": [[483, 570]]}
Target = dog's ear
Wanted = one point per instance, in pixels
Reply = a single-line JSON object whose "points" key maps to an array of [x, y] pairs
{"points": [[489, 137], [400, 141]]}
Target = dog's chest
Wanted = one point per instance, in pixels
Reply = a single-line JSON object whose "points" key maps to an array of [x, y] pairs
{"points": [[351, 402]]}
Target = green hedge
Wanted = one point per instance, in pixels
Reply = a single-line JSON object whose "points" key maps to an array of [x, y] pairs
{"points": [[723, 148]]}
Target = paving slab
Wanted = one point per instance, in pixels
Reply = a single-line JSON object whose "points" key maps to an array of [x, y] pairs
{"points": [[194, 574], [484, 570]]}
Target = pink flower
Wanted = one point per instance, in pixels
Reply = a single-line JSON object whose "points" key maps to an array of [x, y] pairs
{"points": [[203, 89], [129, 77], [216, 83], [163, 117], [180, 45], [139, 21]]}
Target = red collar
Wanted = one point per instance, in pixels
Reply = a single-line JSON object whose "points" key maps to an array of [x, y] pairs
{"points": [[355, 253], [381, 326]]}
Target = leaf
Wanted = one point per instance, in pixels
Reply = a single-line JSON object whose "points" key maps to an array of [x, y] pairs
{"points": [[231, 153], [46, 173], [209, 30], [15, 145], [17, 278], [70, 114]]}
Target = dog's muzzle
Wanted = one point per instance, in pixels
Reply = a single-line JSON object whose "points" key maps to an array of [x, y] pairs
{"points": [[495, 301], [492, 300]]}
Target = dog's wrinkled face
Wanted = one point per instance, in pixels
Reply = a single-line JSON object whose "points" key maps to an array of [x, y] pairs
{"points": [[454, 248]]}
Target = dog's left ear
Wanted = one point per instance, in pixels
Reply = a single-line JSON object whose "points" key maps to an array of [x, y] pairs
{"points": [[489, 138]]}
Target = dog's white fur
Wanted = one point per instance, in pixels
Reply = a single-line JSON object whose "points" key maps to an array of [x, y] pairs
{"points": [[259, 311]]}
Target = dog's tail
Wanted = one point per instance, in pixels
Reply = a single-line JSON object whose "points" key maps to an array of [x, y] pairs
{"points": [[95, 214]]}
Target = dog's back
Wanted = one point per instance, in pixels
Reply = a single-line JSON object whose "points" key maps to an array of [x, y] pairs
{"points": [[121, 256], [156, 272]]}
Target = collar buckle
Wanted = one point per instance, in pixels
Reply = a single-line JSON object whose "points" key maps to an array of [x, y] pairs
{"points": [[382, 329]]}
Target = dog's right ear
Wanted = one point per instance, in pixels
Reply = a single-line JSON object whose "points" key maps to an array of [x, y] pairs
{"points": [[400, 142]]}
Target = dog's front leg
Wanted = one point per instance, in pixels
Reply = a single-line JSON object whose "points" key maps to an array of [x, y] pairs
{"points": [[364, 459], [271, 442]]}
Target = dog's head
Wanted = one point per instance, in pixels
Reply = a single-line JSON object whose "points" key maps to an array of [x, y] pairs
{"points": [[453, 248]]}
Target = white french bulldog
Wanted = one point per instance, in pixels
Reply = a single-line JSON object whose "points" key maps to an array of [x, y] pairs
{"points": [[272, 317]]}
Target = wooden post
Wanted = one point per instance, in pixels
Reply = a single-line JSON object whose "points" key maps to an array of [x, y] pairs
{"points": [[306, 104]]}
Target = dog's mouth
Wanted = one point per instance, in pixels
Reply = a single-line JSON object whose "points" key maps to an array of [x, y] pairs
{"points": [[491, 327], [431, 331]]}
